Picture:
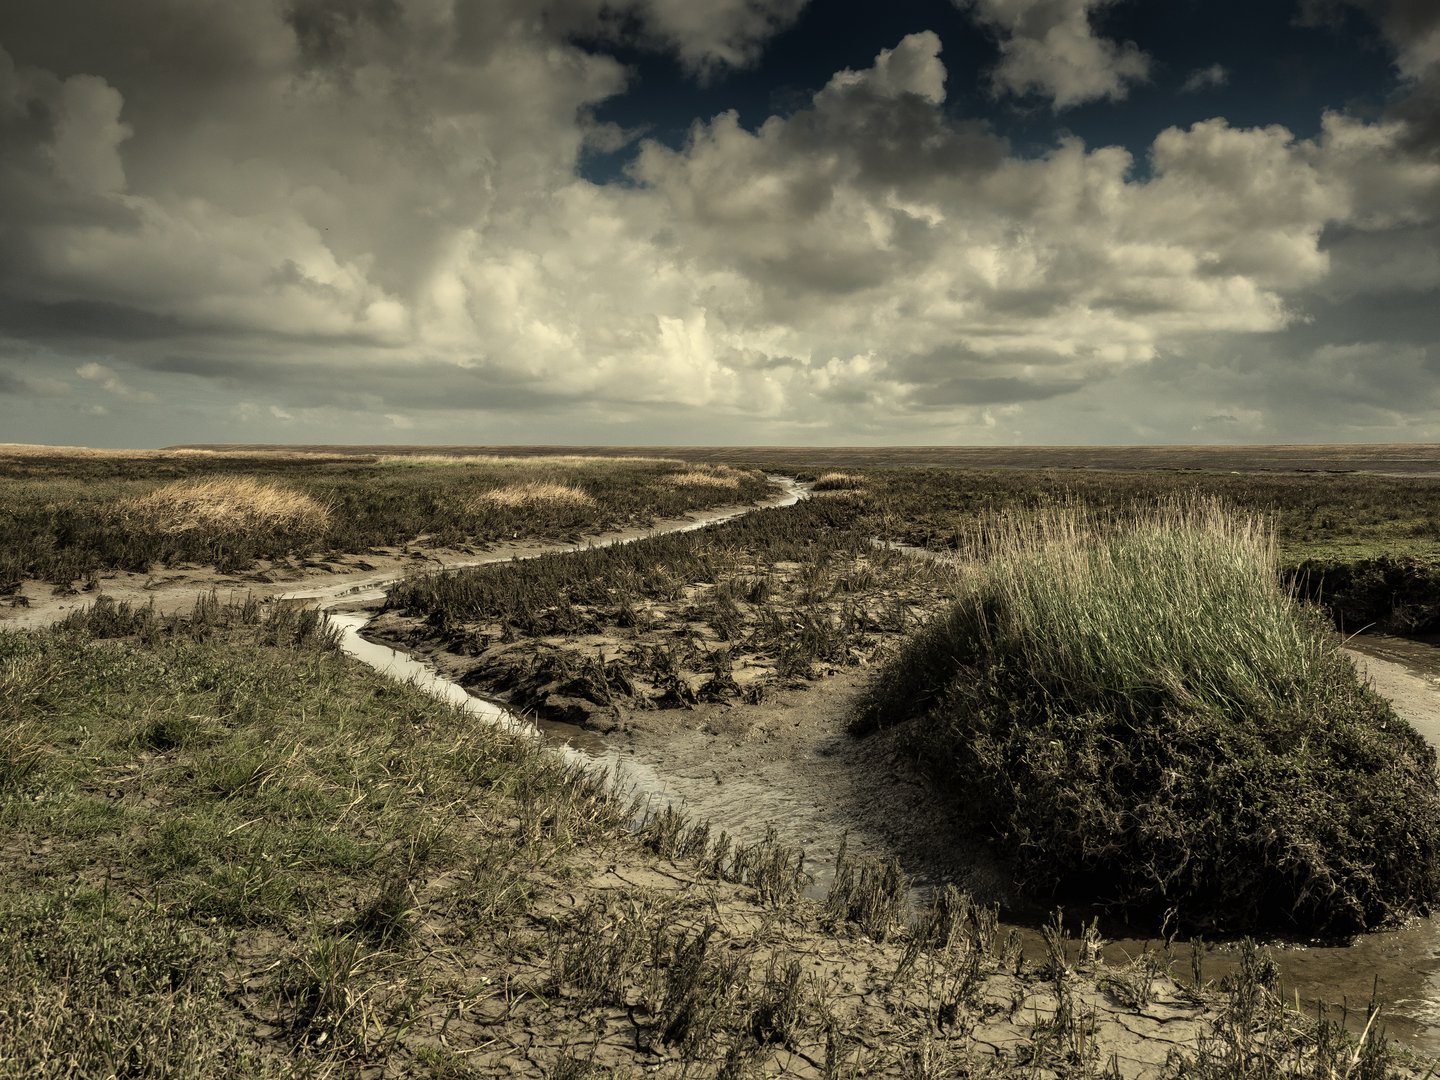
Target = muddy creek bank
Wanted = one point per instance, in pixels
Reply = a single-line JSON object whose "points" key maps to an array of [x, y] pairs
{"points": [[784, 761], [789, 765]]}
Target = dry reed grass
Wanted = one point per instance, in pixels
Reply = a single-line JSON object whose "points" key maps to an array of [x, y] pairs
{"points": [[712, 476], [838, 481], [226, 504], [531, 495]]}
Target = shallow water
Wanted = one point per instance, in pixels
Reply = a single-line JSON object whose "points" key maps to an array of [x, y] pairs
{"points": [[1401, 967]]}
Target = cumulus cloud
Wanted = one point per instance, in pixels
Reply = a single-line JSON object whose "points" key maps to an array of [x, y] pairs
{"points": [[336, 214], [969, 275], [1049, 47]]}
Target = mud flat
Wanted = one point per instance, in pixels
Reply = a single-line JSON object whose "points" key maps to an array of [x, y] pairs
{"points": [[1414, 459], [788, 764], [780, 759]]}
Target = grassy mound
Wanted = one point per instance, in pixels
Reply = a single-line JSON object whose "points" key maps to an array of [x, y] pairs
{"points": [[1145, 718]]}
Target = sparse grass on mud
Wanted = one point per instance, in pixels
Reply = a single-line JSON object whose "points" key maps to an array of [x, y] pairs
{"points": [[231, 852], [718, 615], [1145, 718]]}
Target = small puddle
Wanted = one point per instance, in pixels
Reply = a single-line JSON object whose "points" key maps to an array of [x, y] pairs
{"points": [[1401, 967]]}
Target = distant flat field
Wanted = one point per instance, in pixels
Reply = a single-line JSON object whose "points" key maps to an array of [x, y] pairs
{"points": [[1414, 459]]}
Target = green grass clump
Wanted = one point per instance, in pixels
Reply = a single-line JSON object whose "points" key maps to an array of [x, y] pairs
{"points": [[1146, 718]]}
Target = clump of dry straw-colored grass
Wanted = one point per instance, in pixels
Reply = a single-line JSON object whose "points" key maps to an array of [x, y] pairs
{"points": [[531, 495], [713, 476], [227, 504], [838, 481]]}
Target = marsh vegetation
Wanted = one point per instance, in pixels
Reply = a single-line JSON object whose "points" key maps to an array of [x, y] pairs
{"points": [[726, 614], [236, 853], [233, 853], [1143, 716], [68, 517]]}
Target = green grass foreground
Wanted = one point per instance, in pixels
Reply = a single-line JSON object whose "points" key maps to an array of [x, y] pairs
{"points": [[214, 835], [1144, 717]]}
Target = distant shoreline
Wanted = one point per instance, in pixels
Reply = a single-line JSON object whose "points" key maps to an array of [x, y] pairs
{"points": [[1409, 459]]}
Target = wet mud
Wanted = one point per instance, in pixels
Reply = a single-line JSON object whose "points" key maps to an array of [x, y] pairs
{"points": [[788, 764]]}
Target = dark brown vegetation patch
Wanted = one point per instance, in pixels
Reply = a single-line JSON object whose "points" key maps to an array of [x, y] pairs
{"points": [[774, 598]]}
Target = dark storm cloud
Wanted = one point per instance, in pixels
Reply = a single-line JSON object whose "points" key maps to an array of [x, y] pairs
{"points": [[1412, 28], [84, 322], [948, 393], [324, 28], [11, 384], [421, 385], [955, 375], [1420, 109]]}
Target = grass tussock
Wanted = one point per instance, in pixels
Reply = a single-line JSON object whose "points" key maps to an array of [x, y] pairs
{"points": [[838, 481], [227, 504], [1144, 716], [724, 477], [534, 494]]}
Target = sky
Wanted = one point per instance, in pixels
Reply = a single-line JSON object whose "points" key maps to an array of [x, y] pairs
{"points": [[795, 222]]}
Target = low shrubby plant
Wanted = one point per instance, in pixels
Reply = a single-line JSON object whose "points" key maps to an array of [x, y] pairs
{"points": [[1141, 715]]}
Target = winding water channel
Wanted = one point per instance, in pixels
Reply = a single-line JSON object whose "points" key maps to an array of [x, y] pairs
{"points": [[1401, 966]]}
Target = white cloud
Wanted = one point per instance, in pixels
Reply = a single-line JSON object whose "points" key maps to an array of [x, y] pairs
{"points": [[1049, 47], [111, 383], [1206, 78], [383, 225], [912, 67]]}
